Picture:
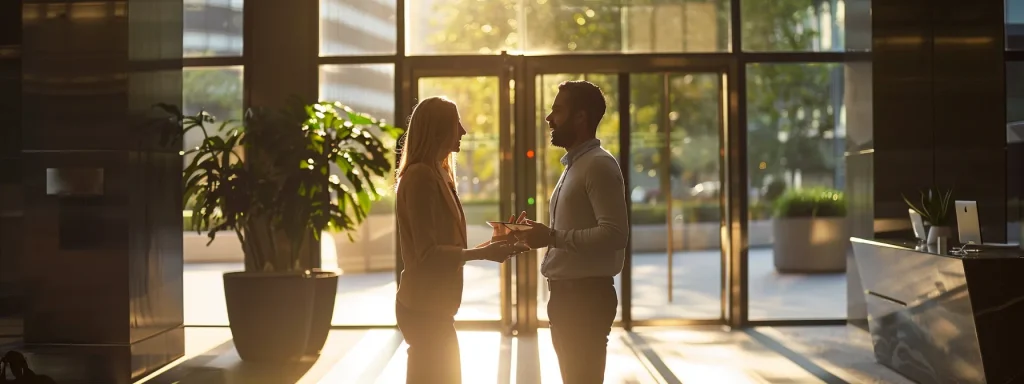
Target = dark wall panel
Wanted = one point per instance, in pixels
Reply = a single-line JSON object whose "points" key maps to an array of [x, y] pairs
{"points": [[970, 107], [903, 103]]}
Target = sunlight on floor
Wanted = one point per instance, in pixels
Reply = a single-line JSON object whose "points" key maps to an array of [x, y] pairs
{"points": [[351, 367], [480, 353], [709, 355], [622, 366]]}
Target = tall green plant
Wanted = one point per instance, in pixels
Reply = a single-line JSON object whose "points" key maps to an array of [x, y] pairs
{"points": [[933, 206], [280, 192]]}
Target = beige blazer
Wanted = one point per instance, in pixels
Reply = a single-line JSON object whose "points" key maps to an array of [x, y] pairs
{"points": [[431, 238]]}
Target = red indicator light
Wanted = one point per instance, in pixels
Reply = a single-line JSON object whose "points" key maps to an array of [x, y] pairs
{"points": [[529, 154]]}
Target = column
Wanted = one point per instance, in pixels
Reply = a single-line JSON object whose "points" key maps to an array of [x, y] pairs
{"points": [[282, 67], [102, 225]]}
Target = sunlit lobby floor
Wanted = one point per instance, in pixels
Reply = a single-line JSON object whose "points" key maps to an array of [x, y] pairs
{"points": [[693, 355], [696, 291]]}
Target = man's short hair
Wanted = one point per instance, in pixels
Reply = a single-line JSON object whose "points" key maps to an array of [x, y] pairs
{"points": [[587, 97]]}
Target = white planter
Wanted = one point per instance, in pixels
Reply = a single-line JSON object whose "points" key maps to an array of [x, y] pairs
{"points": [[806, 245], [935, 232]]}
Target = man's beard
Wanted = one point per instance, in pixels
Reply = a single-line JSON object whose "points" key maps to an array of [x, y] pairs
{"points": [[562, 137]]}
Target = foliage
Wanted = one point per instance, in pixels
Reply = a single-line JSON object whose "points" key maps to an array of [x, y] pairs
{"points": [[933, 206], [284, 189], [774, 189], [811, 202], [791, 117]]}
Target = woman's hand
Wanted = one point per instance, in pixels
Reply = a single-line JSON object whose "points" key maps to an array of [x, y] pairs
{"points": [[500, 251]]}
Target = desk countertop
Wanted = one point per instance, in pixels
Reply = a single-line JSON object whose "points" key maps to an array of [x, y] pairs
{"points": [[985, 252]]}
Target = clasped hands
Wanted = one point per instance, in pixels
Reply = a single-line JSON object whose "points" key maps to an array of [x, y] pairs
{"points": [[500, 248]]}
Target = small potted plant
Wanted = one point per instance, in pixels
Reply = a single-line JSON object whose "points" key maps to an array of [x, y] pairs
{"points": [[276, 181], [933, 206], [810, 231]]}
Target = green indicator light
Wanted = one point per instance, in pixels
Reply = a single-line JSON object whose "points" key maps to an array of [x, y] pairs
{"points": [[530, 201]]}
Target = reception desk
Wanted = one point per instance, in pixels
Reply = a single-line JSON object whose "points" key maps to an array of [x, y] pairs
{"points": [[939, 318]]}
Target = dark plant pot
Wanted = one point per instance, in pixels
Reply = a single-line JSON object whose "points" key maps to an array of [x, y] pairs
{"points": [[323, 310], [270, 314]]}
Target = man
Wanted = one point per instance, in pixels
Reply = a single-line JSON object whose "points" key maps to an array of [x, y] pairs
{"points": [[588, 232]]}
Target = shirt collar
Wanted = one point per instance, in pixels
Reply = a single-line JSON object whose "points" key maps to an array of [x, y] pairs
{"points": [[575, 153]]}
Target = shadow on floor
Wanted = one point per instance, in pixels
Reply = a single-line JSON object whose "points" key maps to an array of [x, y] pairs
{"points": [[206, 369]]}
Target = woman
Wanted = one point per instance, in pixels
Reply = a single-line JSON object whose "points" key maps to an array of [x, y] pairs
{"points": [[432, 242]]}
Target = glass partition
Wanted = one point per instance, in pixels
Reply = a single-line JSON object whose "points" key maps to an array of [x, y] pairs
{"points": [[795, 147], [675, 189]]}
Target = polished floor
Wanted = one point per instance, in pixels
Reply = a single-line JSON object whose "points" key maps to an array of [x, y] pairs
{"points": [[693, 355]]}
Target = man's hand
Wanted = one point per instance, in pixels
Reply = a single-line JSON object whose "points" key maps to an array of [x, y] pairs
{"points": [[538, 236]]}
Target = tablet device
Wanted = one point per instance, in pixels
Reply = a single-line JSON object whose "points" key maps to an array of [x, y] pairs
{"points": [[967, 222], [516, 227]]}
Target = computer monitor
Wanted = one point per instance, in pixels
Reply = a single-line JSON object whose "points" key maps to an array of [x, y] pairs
{"points": [[967, 222], [918, 223]]}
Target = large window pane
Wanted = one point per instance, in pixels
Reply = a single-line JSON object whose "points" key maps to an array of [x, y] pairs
{"points": [[218, 91], [1015, 25], [795, 142], [357, 27], [479, 183], [549, 166], [675, 189], [550, 26], [367, 88], [213, 28], [366, 285], [793, 25]]}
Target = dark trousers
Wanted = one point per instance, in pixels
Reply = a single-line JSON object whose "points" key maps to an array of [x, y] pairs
{"points": [[581, 313], [433, 347]]}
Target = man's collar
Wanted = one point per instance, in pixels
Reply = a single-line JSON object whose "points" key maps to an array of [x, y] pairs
{"points": [[579, 150]]}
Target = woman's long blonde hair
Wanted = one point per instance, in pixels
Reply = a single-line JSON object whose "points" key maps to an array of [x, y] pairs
{"points": [[431, 131]]}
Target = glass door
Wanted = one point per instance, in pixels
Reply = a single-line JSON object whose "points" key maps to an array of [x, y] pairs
{"points": [[675, 194], [547, 159], [666, 128], [483, 168]]}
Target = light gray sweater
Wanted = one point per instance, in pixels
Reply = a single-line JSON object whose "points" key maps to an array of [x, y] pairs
{"points": [[589, 215]]}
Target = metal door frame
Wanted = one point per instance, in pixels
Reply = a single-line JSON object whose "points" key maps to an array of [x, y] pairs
{"points": [[532, 67], [485, 66]]}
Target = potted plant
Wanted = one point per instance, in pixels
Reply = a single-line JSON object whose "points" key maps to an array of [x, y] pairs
{"points": [[933, 206], [276, 181], [810, 231]]}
